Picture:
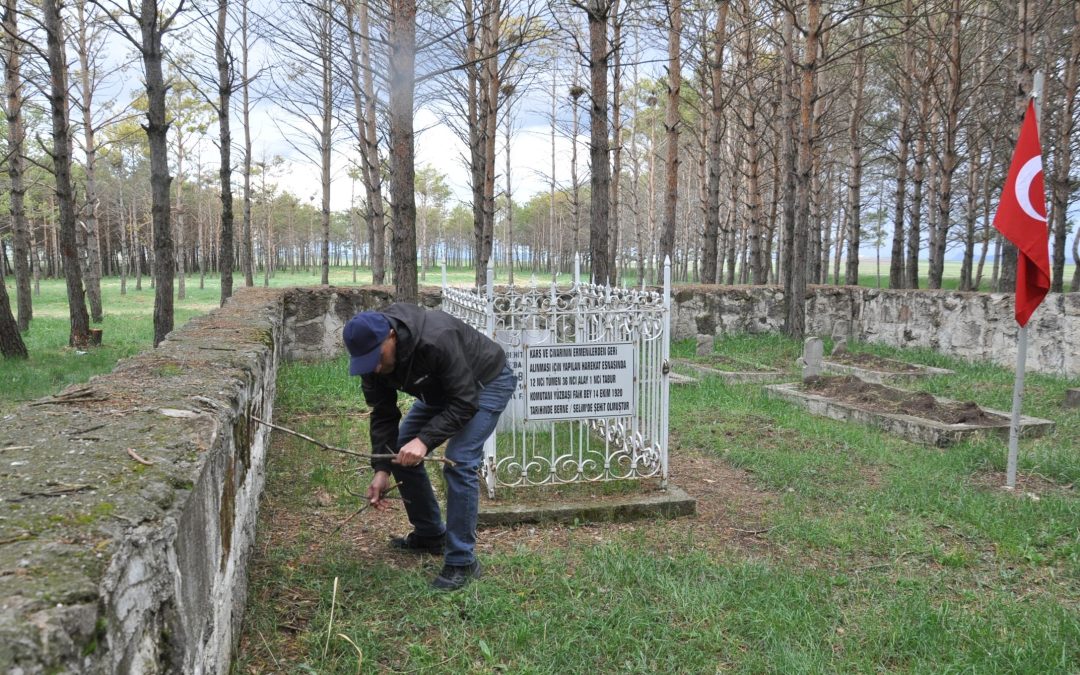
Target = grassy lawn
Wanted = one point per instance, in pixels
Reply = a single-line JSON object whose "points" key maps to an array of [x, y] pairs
{"points": [[818, 547]]}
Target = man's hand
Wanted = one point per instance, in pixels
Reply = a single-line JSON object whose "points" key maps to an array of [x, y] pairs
{"points": [[375, 491], [411, 454]]}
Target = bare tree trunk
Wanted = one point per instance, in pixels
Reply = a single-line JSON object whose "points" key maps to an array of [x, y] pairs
{"points": [[671, 125], [988, 232], [1025, 71], [788, 162], [508, 91], [1075, 285], [1059, 196], [11, 342], [795, 323], [476, 114], [157, 129], [599, 153], [716, 125], [21, 246], [552, 261], [327, 141], [492, 27], [402, 39], [855, 167], [730, 246], [635, 182], [575, 203], [753, 145], [949, 156], [246, 254], [90, 221], [181, 272], [971, 206], [61, 154], [225, 89], [911, 268], [372, 167], [125, 247], [897, 270], [616, 141]]}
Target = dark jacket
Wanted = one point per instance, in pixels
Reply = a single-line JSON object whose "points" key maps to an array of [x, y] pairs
{"points": [[440, 360]]}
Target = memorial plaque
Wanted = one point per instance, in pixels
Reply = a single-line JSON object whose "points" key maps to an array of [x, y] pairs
{"points": [[576, 381]]}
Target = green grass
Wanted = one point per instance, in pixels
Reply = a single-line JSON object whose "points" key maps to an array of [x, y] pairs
{"points": [[876, 554]]}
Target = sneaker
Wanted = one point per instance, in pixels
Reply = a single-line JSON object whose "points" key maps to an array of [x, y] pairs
{"points": [[414, 543], [453, 577]]}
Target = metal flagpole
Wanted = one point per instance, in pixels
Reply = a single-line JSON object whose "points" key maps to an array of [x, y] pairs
{"points": [[1018, 395], [1021, 344]]}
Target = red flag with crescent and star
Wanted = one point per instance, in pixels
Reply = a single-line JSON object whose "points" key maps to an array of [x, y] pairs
{"points": [[1021, 218]]}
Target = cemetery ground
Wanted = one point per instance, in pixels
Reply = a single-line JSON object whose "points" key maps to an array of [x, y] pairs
{"points": [[818, 545]]}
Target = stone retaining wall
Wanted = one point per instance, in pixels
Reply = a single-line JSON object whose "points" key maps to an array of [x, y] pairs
{"points": [[970, 326]]}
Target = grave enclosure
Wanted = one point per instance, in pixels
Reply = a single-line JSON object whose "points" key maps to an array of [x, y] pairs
{"points": [[128, 505]]}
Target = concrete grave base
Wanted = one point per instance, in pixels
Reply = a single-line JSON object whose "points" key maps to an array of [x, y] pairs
{"points": [[732, 377], [883, 376], [914, 429], [670, 503]]}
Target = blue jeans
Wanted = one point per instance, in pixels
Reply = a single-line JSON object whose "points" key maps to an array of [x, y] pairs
{"points": [[466, 450]]}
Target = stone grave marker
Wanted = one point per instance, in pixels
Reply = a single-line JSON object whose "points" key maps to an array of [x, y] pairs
{"points": [[1072, 398], [705, 344], [813, 354]]}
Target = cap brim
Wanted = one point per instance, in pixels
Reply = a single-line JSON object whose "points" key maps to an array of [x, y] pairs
{"points": [[362, 365]]}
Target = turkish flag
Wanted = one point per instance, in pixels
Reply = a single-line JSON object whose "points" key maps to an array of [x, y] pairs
{"points": [[1021, 218]]}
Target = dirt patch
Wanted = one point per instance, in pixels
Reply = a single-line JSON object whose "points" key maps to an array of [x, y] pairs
{"points": [[884, 399], [874, 362]]}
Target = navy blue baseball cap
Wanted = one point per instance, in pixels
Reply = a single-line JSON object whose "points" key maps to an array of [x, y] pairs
{"points": [[364, 335]]}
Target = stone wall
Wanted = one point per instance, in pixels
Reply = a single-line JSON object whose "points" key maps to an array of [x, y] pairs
{"points": [[128, 505], [315, 317], [970, 326]]}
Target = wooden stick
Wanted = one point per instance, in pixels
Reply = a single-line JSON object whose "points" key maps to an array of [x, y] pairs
{"points": [[137, 458], [343, 451]]}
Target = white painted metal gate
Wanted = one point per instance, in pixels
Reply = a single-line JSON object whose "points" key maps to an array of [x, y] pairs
{"points": [[576, 448]]}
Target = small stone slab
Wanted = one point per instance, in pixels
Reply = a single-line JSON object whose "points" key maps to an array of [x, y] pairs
{"points": [[670, 503], [914, 429], [759, 374], [676, 378], [1072, 398], [884, 376]]}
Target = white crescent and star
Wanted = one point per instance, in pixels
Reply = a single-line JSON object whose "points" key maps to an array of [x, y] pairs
{"points": [[1033, 167]]}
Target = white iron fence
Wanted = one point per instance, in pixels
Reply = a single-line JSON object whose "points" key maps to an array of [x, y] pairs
{"points": [[595, 405]]}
